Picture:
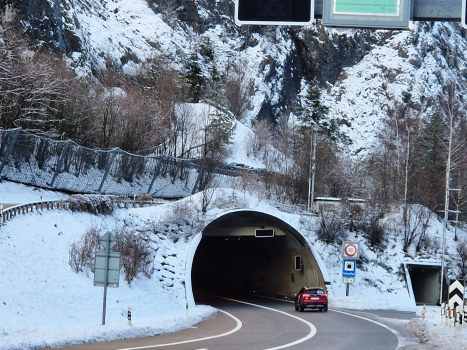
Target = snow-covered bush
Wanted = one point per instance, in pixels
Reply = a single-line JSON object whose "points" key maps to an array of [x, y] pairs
{"points": [[136, 254], [331, 229], [82, 250], [91, 204], [135, 249]]}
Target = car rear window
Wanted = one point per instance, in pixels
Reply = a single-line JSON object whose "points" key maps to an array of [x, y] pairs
{"points": [[314, 291]]}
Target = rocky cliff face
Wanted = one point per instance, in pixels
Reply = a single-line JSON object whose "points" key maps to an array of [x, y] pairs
{"points": [[96, 34], [64, 28], [43, 21]]}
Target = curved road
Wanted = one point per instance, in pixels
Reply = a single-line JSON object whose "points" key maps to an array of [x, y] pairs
{"points": [[255, 323]]}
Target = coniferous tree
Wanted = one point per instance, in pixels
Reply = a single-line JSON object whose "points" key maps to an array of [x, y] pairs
{"points": [[194, 76], [315, 112]]}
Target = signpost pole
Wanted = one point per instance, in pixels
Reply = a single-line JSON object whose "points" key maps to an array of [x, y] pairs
{"points": [[106, 272], [350, 254]]}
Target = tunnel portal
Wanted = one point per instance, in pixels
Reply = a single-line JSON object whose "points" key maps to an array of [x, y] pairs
{"points": [[426, 283], [230, 257]]}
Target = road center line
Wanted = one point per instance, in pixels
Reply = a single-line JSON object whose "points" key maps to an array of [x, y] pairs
{"points": [[239, 325], [309, 336]]}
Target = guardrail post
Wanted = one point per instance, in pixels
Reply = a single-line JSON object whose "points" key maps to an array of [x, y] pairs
{"points": [[443, 314]]}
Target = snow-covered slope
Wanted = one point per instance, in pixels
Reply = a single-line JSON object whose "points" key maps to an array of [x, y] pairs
{"points": [[410, 68], [364, 72], [44, 303]]}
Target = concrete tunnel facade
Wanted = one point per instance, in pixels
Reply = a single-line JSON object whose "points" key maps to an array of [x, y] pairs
{"points": [[226, 254]]}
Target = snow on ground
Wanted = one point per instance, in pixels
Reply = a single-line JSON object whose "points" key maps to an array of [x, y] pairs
{"points": [[44, 304]]}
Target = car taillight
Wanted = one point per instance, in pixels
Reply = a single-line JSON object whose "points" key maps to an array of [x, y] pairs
{"points": [[324, 296]]}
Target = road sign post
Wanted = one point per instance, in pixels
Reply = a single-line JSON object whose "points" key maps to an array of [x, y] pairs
{"points": [[348, 274], [350, 253], [350, 250], [106, 268]]}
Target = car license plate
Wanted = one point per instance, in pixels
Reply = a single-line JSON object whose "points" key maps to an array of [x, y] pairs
{"points": [[314, 298]]}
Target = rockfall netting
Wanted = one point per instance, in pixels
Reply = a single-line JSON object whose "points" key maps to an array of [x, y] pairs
{"points": [[66, 166]]}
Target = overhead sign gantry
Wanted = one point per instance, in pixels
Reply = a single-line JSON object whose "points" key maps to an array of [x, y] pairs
{"points": [[367, 13], [385, 14], [274, 12], [464, 14]]}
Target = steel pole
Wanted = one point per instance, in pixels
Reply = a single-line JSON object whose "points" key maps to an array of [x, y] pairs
{"points": [[446, 208], [106, 273], [313, 167], [311, 170]]}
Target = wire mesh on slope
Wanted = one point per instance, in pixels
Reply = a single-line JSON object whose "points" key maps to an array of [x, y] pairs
{"points": [[67, 166]]}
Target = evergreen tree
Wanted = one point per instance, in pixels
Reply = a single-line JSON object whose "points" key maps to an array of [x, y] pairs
{"points": [[314, 112], [194, 76]]}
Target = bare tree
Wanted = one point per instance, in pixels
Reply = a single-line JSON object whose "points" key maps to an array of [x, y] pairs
{"points": [[331, 230], [415, 220], [238, 86], [136, 254], [31, 90], [461, 249]]}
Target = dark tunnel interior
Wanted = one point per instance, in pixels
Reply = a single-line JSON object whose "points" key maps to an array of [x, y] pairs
{"points": [[236, 263], [230, 258], [426, 283]]}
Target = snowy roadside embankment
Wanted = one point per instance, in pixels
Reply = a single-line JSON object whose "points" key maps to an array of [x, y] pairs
{"points": [[43, 303]]}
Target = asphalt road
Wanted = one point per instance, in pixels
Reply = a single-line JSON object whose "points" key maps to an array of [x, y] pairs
{"points": [[257, 323]]}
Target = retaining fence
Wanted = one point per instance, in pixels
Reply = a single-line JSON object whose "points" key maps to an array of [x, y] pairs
{"points": [[67, 166]]}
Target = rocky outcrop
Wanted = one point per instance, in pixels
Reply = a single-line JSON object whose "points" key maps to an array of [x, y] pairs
{"points": [[42, 21]]}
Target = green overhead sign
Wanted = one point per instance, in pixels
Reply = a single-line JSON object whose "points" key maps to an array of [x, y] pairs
{"points": [[374, 7], [368, 13]]}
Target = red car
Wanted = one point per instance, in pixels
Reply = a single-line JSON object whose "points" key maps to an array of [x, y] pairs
{"points": [[312, 297]]}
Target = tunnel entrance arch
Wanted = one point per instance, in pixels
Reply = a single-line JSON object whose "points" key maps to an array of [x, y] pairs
{"points": [[228, 255]]}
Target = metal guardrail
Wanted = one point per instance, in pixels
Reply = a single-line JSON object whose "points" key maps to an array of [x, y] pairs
{"points": [[11, 212]]}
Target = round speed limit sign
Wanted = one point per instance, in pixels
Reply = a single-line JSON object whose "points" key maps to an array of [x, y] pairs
{"points": [[350, 250]]}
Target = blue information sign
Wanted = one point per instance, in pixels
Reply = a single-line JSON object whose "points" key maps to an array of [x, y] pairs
{"points": [[348, 269]]}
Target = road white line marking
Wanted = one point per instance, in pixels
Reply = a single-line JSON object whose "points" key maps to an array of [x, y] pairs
{"points": [[239, 325], [396, 333], [309, 336]]}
